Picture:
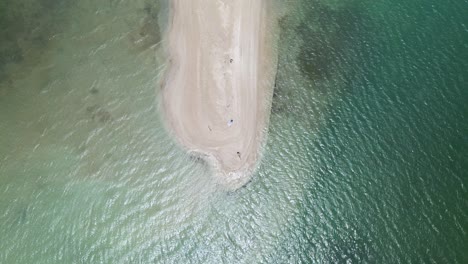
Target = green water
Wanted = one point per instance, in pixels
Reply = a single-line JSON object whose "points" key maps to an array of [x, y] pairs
{"points": [[366, 159]]}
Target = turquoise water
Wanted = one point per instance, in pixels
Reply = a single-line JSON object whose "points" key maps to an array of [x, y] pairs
{"points": [[366, 160]]}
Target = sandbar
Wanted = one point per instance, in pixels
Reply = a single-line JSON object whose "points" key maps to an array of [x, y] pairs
{"points": [[217, 90]]}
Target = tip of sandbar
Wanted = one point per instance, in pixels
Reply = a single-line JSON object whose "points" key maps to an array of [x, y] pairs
{"points": [[234, 180], [231, 180]]}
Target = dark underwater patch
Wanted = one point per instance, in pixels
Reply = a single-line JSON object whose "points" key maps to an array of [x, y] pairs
{"points": [[26, 26], [147, 33], [328, 38], [99, 114], [280, 94], [328, 35]]}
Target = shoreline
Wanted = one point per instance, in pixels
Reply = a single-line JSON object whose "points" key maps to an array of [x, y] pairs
{"points": [[218, 87]]}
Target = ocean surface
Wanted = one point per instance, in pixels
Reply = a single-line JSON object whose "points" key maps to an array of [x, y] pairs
{"points": [[366, 159]]}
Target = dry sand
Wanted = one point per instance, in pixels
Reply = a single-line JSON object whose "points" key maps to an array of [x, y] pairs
{"points": [[222, 63]]}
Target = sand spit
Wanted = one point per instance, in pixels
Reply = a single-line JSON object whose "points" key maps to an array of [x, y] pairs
{"points": [[218, 87]]}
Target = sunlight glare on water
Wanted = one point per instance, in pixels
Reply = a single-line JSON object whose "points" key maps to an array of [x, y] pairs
{"points": [[365, 160]]}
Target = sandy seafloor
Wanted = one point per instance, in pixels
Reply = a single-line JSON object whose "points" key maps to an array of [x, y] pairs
{"points": [[365, 160]]}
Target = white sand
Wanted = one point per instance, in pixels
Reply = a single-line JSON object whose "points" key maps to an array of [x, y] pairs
{"points": [[222, 67]]}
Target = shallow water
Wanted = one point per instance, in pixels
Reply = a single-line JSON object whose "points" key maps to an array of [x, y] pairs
{"points": [[365, 160]]}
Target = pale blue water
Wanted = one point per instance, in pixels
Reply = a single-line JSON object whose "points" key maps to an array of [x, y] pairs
{"points": [[366, 160]]}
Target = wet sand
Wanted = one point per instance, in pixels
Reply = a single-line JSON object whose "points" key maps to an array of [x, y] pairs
{"points": [[218, 87]]}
